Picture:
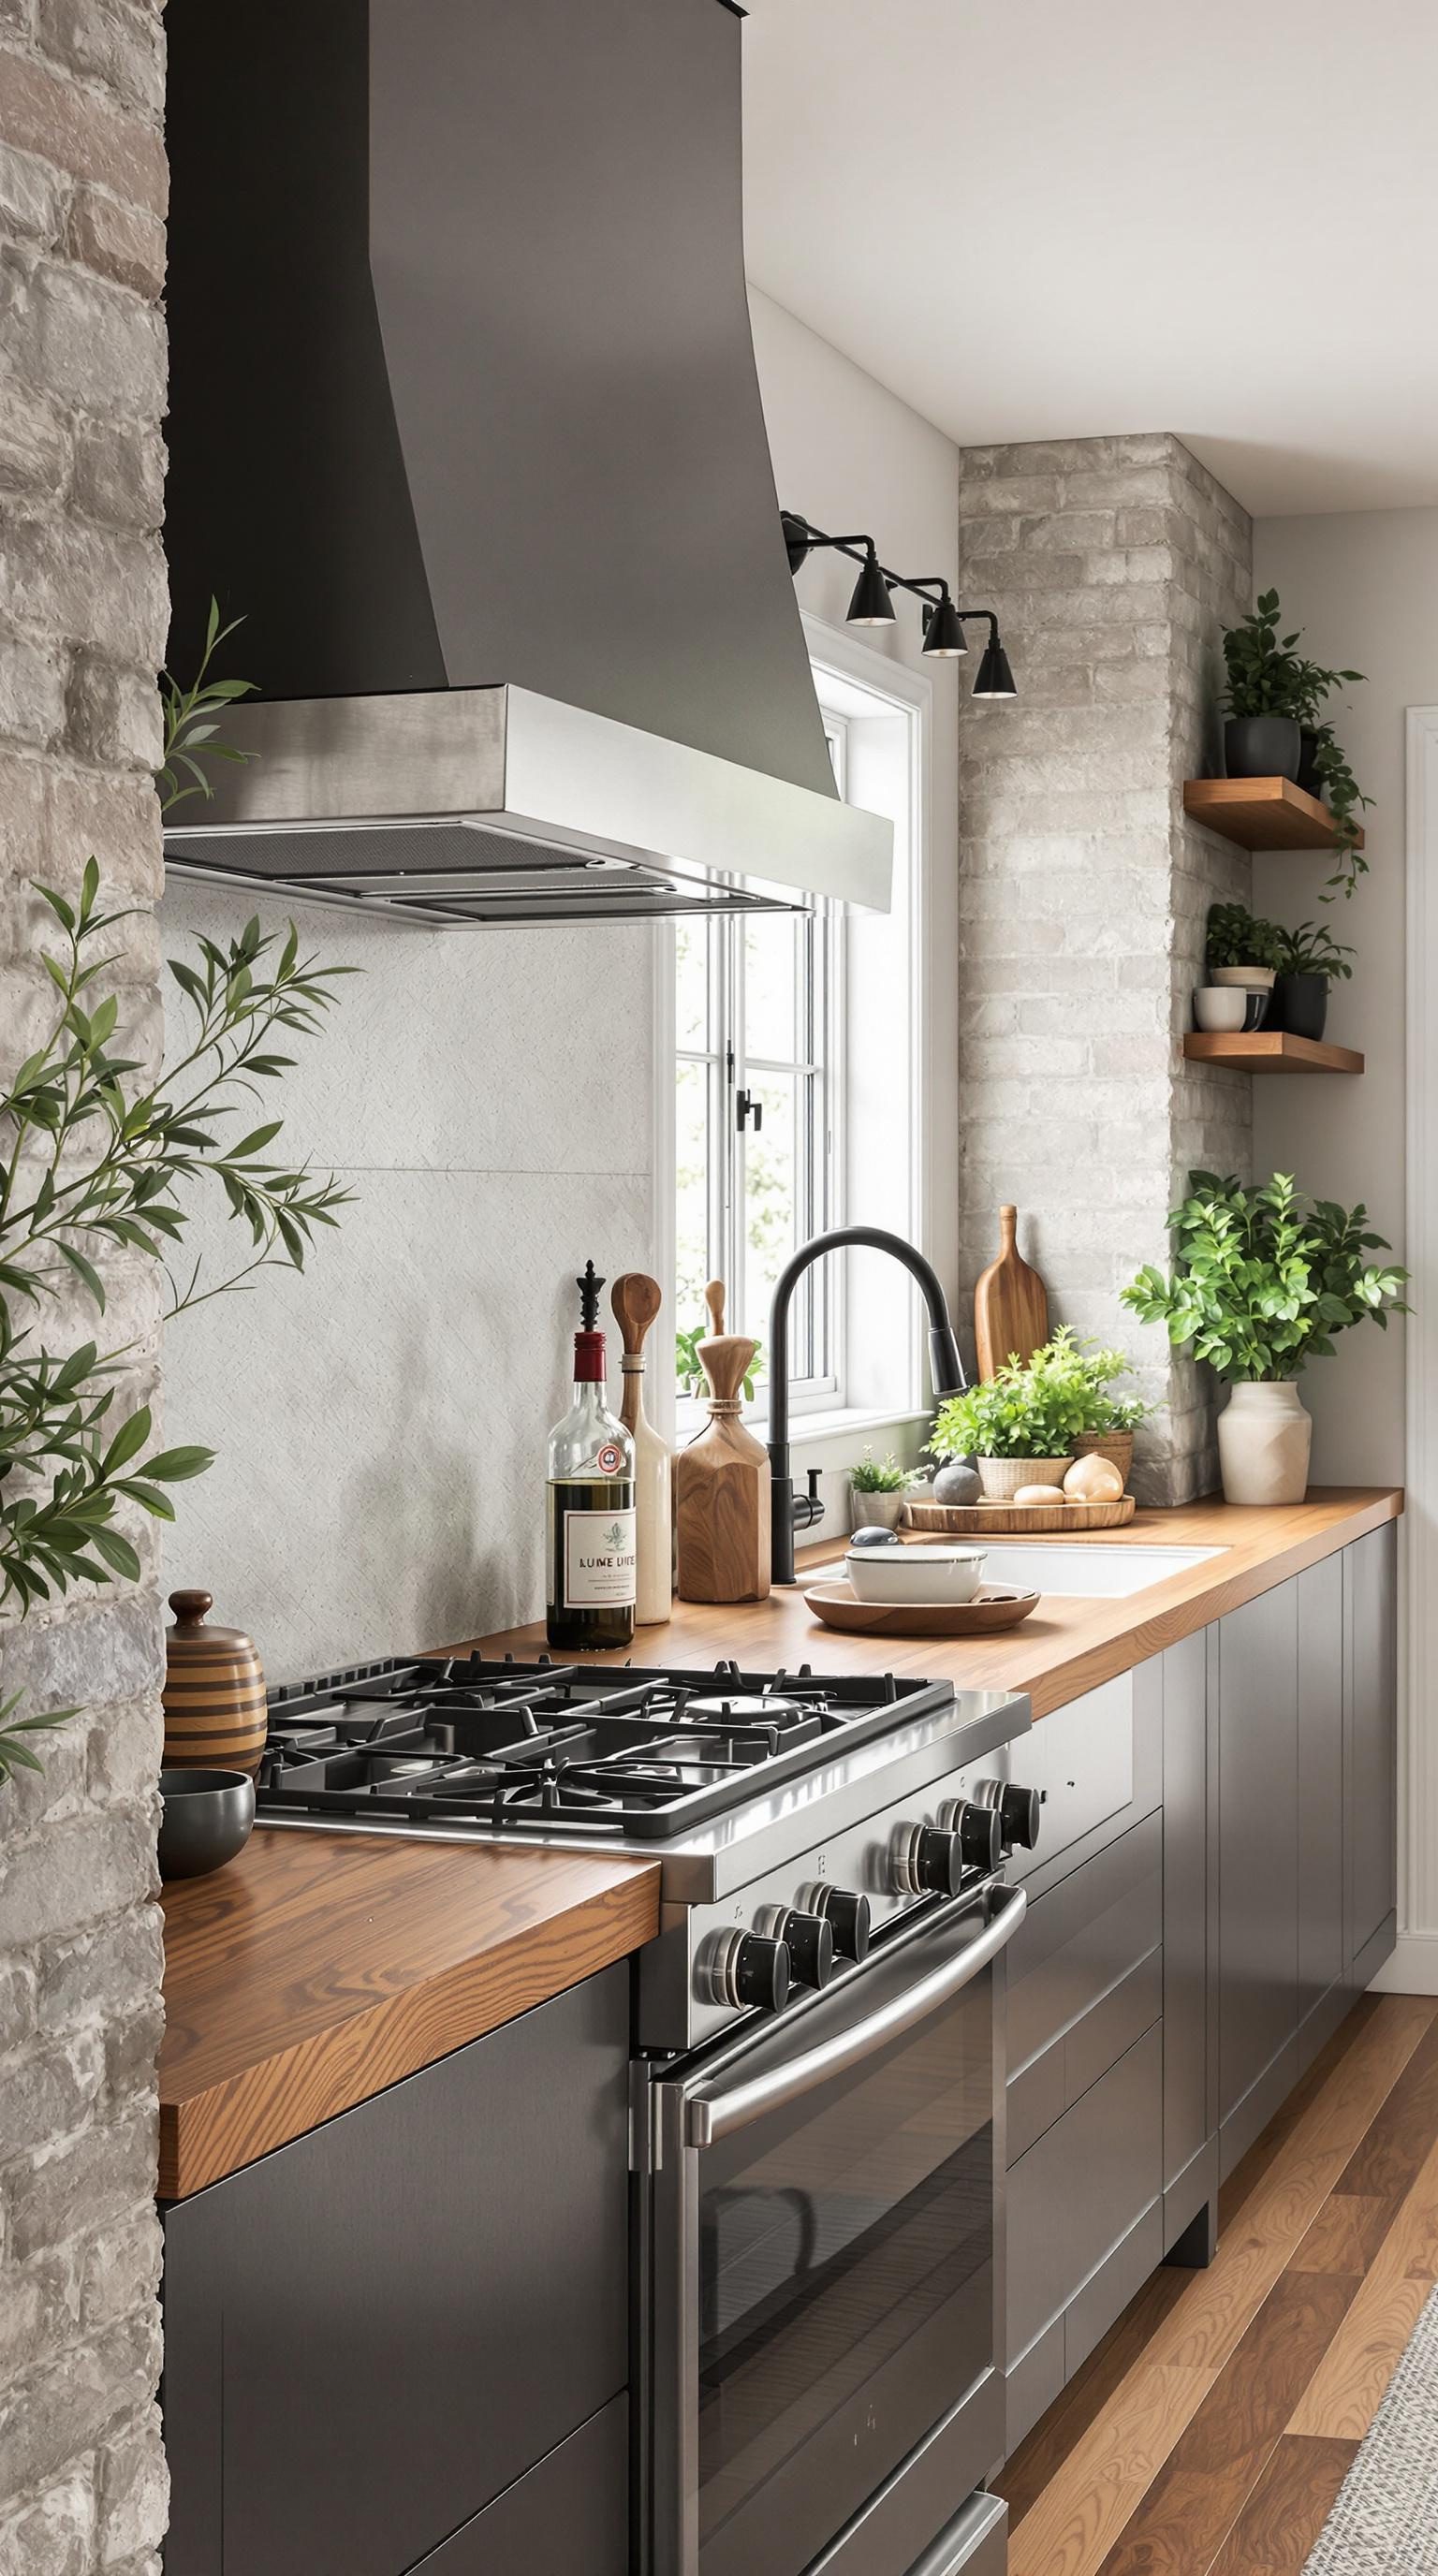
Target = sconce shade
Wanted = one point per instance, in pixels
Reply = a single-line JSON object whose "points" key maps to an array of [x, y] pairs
{"points": [[944, 631], [871, 604], [995, 679]]}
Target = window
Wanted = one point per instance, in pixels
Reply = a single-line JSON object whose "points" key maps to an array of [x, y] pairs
{"points": [[790, 1093], [759, 1025]]}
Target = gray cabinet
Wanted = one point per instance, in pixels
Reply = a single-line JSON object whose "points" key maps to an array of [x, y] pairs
{"points": [[1257, 1824], [1322, 1955], [375, 2333], [1370, 1607], [1190, 2162]]}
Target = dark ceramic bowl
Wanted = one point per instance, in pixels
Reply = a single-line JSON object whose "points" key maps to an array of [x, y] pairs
{"points": [[207, 1819]]}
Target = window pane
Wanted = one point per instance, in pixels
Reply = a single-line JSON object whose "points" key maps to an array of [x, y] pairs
{"points": [[693, 1264], [773, 950], [691, 987], [776, 1219]]}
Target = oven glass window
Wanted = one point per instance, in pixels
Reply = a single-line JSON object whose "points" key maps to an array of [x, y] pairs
{"points": [[845, 2289]]}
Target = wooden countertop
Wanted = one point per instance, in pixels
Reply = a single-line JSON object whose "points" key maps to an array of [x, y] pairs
{"points": [[318, 1968], [1069, 1645]]}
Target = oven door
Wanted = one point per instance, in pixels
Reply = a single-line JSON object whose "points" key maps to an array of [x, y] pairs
{"points": [[826, 2265]]}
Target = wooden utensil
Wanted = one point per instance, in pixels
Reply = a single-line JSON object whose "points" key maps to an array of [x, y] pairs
{"points": [[721, 1482], [1011, 1304], [214, 1694], [994, 1607], [714, 1300], [636, 1300]]}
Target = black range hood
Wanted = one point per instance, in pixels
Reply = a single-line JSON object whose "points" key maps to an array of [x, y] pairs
{"points": [[465, 422]]}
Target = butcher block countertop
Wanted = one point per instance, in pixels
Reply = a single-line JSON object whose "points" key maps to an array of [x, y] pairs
{"points": [[1068, 1645], [318, 1968]]}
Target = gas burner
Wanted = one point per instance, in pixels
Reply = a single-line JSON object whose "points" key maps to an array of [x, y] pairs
{"points": [[743, 1706]]}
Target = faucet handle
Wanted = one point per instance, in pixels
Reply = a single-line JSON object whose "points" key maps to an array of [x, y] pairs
{"points": [[813, 1474]]}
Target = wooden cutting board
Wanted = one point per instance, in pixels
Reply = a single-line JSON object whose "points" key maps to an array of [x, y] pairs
{"points": [[1011, 1304]]}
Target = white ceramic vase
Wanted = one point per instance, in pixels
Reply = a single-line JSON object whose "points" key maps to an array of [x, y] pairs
{"points": [[875, 1511], [1264, 1437]]}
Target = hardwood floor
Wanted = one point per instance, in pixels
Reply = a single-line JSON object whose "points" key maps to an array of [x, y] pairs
{"points": [[1209, 2433]]}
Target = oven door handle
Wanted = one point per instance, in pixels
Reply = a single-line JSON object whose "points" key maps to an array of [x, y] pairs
{"points": [[707, 2118]]}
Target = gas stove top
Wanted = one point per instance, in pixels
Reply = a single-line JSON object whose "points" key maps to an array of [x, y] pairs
{"points": [[532, 1749]]}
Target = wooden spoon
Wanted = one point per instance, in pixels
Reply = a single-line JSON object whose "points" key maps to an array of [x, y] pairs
{"points": [[636, 1300]]}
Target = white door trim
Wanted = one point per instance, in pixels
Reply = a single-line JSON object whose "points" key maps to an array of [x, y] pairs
{"points": [[1413, 1969]]}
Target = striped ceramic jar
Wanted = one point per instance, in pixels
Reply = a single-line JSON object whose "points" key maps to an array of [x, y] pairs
{"points": [[214, 1692]]}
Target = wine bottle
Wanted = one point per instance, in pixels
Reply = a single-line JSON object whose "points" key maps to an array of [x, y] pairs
{"points": [[591, 1555]]}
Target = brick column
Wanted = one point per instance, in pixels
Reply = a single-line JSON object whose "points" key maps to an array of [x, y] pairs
{"points": [[1113, 563], [82, 629]]}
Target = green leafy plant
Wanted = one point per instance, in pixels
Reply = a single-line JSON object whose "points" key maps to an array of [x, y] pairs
{"points": [[689, 1368], [1311, 949], [871, 1475], [97, 1158], [1038, 1408], [1085, 1370], [1237, 937], [1263, 1278], [1267, 677], [193, 717]]}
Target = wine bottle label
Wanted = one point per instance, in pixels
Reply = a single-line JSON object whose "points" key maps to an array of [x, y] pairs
{"points": [[599, 1560]]}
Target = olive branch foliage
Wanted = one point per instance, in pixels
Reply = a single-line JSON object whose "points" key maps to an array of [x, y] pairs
{"points": [[97, 1159]]}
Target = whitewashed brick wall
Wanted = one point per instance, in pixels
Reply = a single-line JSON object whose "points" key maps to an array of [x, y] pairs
{"points": [[1113, 563], [82, 630]]}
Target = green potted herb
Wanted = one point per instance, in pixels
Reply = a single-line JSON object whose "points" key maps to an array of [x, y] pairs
{"points": [[877, 1487], [1263, 1278], [1275, 727], [1309, 960], [1242, 953]]}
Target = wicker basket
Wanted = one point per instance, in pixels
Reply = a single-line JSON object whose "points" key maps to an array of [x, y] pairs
{"points": [[1115, 1445], [1002, 1477]]}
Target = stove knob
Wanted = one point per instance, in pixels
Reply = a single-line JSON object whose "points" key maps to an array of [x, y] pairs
{"points": [[808, 1939], [743, 1968], [1019, 1816], [847, 1916], [928, 1861]]}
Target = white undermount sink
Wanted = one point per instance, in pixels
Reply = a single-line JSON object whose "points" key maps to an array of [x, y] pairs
{"points": [[1093, 1573]]}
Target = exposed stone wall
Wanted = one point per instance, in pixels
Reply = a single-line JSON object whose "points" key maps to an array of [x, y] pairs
{"points": [[82, 629], [1113, 563]]}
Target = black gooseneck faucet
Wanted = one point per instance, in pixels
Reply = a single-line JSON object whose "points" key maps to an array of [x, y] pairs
{"points": [[945, 1368]]}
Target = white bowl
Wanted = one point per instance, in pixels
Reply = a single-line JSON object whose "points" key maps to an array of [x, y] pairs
{"points": [[932, 1575], [1220, 1006]]}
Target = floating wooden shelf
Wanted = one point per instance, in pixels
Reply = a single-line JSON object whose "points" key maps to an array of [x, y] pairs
{"points": [[1260, 813], [1269, 1051]]}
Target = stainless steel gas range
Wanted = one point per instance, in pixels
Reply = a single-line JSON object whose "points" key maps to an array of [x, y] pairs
{"points": [[817, 2081]]}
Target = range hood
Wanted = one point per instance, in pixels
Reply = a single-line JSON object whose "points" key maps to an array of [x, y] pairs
{"points": [[465, 424]]}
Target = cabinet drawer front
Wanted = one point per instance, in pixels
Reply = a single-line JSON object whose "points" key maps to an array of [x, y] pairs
{"points": [[1094, 1986], [1082, 2188], [571, 2511], [1080, 1760]]}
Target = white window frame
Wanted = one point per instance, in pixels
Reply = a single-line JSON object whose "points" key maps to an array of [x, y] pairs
{"points": [[824, 1429]]}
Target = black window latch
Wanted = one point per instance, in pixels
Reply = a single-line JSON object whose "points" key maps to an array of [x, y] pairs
{"points": [[748, 1112]]}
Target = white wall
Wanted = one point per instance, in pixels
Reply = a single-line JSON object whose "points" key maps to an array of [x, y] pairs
{"points": [[381, 1422], [1363, 585], [849, 455]]}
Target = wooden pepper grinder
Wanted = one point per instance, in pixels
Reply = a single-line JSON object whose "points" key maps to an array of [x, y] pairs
{"points": [[721, 1481], [214, 1694], [636, 1301]]}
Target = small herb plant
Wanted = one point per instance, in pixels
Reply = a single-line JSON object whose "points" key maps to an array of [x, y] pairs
{"points": [[95, 1157], [1263, 1278], [1266, 676], [1237, 937], [871, 1475], [1038, 1409], [689, 1368], [1312, 950]]}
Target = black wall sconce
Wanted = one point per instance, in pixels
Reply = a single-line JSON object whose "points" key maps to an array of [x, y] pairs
{"points": [[872, 603]]}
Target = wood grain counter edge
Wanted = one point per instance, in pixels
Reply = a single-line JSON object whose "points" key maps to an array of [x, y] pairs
{"points": [[285, 2006]]}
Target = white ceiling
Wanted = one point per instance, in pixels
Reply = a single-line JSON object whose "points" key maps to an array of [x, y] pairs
{"points": [[1036, 218]]}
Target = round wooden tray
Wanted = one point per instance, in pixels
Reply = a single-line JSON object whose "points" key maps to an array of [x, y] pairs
{"points": [[1017, 1520], [994, 1607]]}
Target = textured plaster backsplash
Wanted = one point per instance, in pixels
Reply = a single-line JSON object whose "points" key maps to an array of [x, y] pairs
{"points": [[381, 1421]]}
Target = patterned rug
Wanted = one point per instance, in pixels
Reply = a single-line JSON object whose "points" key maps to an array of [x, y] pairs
{"points": [[1385, 2521]]}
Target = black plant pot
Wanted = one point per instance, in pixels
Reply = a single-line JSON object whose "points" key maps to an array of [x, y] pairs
{"points": [[1300, 1005], [1308, 778], [1261, 747]]}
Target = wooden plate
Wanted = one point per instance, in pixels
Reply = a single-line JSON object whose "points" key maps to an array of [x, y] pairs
{"points": [[1017, 1520], [994, 1607]]}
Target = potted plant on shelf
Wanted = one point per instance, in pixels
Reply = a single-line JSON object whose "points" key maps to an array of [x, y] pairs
{"points": [[1275, 727], [1262, 1280], [1242, 953], [877, 1487], [1309, 960]]}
